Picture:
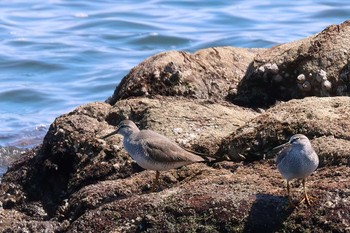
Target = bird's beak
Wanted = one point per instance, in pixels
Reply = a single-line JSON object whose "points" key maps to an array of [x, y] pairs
{"points": [[281, 146], [110, 134]]}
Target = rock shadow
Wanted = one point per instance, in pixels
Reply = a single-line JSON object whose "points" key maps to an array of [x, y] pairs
{"points": [[263, 85], [268, 213]]}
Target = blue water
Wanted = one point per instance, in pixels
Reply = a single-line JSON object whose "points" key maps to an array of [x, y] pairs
{"points": [[57, 54]]}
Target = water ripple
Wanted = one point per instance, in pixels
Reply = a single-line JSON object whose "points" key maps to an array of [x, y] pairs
{"points": [[30, 65]]}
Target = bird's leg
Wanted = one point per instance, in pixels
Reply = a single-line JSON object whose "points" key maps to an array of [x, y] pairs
{"points": [[155, 182], [306, 197], [289, 196]]}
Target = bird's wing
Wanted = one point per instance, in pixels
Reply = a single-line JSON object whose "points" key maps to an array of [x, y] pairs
{"points": [[283, 153], [160, 148]]}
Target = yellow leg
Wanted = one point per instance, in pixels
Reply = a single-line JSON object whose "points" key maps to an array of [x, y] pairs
{"points": [[306, 197], [155, 182]]}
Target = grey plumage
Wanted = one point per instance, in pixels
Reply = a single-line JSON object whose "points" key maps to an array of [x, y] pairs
{"points": [[297, 160], [152, 150]]}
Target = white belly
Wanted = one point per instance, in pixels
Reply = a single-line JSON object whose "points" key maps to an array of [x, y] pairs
{"points": [[146, 163], [297, 170]]}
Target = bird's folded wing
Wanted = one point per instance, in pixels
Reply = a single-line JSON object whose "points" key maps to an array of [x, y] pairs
{"points": [[283, 153], [160, 148]]}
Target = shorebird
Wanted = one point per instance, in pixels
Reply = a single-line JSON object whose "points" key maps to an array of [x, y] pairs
{"points": [[152, 150], [297, 160]]}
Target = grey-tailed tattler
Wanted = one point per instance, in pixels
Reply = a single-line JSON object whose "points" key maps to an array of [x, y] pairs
{"points": [[297, 160], [152, 150]]}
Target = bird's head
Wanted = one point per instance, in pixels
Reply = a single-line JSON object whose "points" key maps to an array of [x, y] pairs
{"points": [[297, 139], [125, 128]]}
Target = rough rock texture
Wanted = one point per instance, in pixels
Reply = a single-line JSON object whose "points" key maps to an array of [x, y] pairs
{"points": [[228, 198], [72, 156], [315, 66], [324, 120], [77, 182], [212, 73]]}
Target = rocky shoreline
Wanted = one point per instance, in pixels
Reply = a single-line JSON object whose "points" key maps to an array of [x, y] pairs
{"points": [[233, 103]]}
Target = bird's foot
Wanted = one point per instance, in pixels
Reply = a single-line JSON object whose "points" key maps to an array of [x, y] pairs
{"points": [[308, 200]]}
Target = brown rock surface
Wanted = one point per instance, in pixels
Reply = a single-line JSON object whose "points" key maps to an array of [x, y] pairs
{"points": [[212, 73], [314, 66], [76, 182], [324, 120], [229, 197], [47, 184]]}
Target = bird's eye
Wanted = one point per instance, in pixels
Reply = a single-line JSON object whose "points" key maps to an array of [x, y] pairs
{"points": [[294, 140], [120, 127]]}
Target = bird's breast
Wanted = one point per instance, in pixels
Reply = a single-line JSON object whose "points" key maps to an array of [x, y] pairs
{"points": [[298, 163]]}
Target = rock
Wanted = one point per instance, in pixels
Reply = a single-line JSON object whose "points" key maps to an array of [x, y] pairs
{"points": [[46, 183], [207, 74], [235, 199], [323, 120], [321, 57], [14, 221], [86, 191]]}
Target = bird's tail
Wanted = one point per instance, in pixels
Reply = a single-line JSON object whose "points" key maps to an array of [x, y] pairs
{"points": [[207, 158]]}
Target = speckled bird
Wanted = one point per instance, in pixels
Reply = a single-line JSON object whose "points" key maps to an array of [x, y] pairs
{"points": [[297, 160], [152, 150]]}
